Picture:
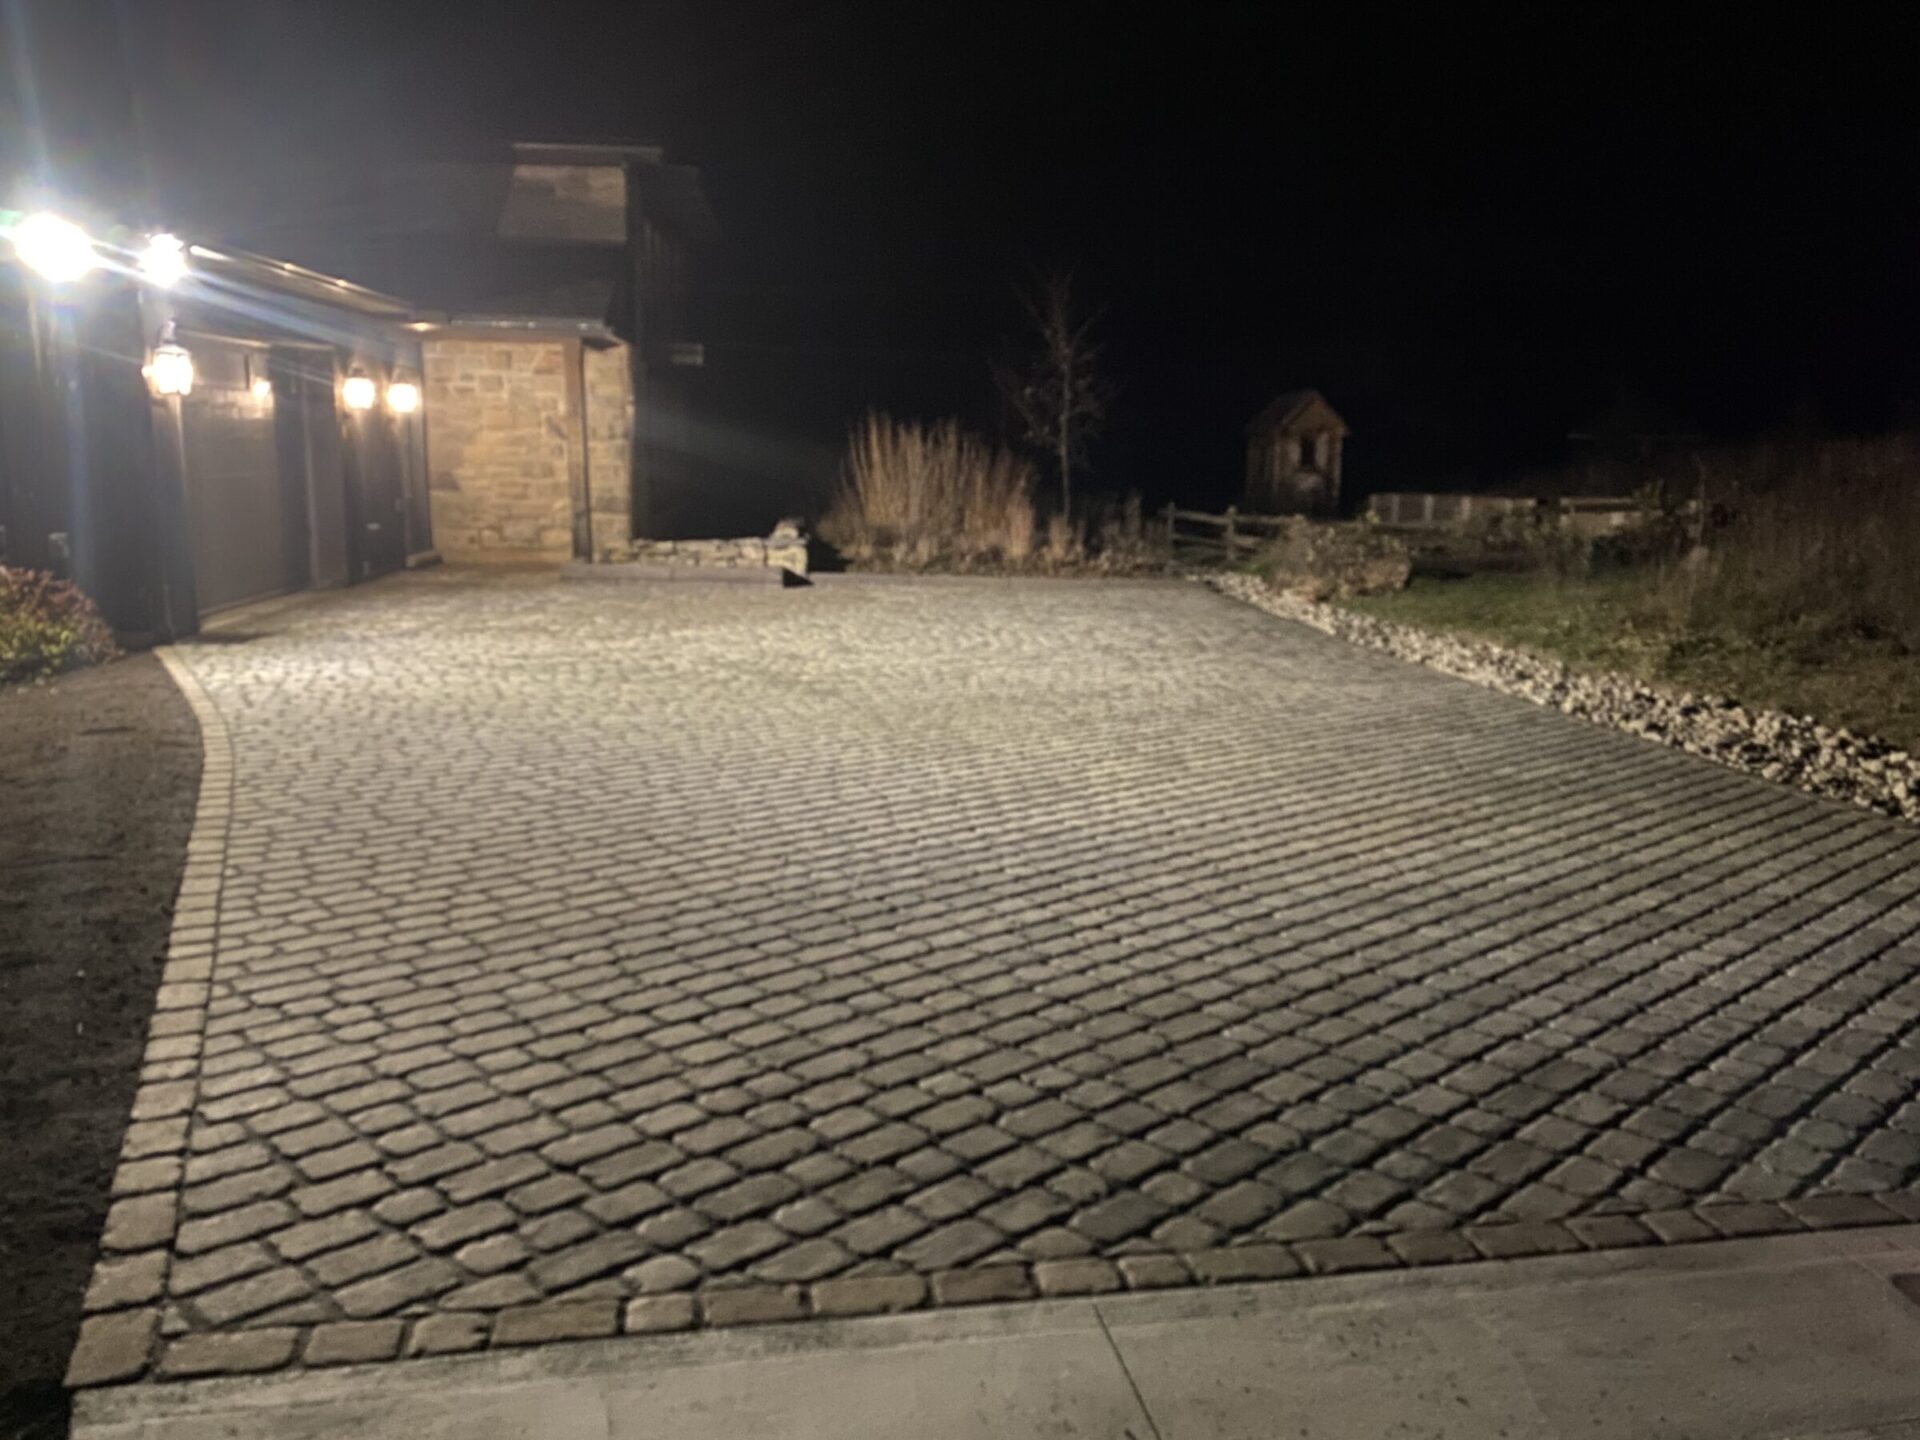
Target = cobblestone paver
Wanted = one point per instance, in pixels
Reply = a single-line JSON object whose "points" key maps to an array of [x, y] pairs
{"points": [[569, 959]]}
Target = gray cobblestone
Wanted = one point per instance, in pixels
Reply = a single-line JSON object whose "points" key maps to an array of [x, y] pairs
{"points": [[869, 1295], [447, 1333], [1483, 982], [122, 1281], [353, 1342], [112, 1347], [557, 1320], [654, 1313]]}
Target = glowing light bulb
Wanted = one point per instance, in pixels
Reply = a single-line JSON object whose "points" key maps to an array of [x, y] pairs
{"points": [[359, 392], [164, 260], [170, 371], [52, 248], [403, 397]]}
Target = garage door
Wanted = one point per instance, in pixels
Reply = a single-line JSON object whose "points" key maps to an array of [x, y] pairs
{"points": [[248, 517]]}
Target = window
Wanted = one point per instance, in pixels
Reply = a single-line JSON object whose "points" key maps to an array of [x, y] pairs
{"points": [[1306, 451]]}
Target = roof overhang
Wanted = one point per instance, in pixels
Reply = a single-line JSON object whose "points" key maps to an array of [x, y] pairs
{"points": [[512, 327]]}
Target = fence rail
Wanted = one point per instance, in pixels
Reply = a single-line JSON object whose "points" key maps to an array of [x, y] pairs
{"points": [[1194, 534], [1422, 510], [1233, 534]]}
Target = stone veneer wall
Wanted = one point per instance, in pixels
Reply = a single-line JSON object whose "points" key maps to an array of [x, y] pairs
{"points": [[609, 393], [785, 549], [498, 432]]}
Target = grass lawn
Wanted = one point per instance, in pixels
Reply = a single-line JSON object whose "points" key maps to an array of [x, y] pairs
{"points": [[1629, 623]]}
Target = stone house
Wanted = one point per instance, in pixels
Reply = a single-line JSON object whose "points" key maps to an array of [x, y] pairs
{"points": [[549, 293], [1293, 456], [250, 428], [516, 386]]}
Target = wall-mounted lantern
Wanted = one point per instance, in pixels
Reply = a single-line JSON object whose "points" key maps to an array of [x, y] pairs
{"points": [[169, 371], [358, 391], [163, 260], [53, 248], [403, 397], [259, 381]]}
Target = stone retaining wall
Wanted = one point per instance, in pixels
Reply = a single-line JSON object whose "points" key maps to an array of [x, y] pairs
{"points": [[785, 549]]}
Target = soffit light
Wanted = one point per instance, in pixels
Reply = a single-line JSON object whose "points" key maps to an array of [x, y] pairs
{"points": [[359, 391], [53, 248], [164, 260], [403, 397]]}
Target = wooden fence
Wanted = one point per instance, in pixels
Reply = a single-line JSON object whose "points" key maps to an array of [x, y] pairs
{"points": [[1584, 514], [1220, 539], [1200, 538]]}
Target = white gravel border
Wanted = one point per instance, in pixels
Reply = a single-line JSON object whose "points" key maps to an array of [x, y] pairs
{"points": [[1791, 749]]}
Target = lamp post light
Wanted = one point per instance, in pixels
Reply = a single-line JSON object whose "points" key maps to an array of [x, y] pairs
{"points": [[164, 260], [53, 248]]}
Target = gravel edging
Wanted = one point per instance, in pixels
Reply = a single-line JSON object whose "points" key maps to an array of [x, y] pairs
{"points": [[1790, 749]]}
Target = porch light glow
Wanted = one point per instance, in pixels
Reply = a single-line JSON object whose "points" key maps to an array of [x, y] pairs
{"points": [[164, 260], [170, 371], [403, 397], [262, 388], [54, 249], [359, 391]]}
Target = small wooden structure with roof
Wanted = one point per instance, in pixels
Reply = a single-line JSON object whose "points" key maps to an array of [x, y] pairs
{"points": [[1293, 456]]}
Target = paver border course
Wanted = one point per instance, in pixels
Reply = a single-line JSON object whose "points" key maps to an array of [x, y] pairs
{"points": [[120, 1334]]}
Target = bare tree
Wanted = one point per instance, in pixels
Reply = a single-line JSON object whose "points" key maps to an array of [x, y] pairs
{"points": [[1057, 392]]}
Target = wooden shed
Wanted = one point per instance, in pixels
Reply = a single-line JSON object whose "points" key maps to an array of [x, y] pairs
{"points": [[1293, 456]]}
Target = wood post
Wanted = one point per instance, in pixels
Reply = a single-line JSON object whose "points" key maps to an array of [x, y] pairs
{"points": [[1227, 538], [1169, 529]]}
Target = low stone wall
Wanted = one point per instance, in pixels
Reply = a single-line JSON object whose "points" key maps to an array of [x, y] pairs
{"points": [[785, 549]]}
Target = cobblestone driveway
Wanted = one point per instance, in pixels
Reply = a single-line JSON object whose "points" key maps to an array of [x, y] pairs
{"points": [[746, 953]]}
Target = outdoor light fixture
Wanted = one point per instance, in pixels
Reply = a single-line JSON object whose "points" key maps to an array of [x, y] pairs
{"points": [[403, 397], [170, 371], [164, 260], [54, 249], [262, 388], [359, 391]]}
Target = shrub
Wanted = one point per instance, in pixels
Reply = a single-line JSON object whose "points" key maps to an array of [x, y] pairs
{"points": [[1815, 536], [47, 626], [924, 495], [1328, 562], [1064, 544], [1790, 538]]}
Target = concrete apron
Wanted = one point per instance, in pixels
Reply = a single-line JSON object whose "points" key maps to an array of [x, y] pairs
{"points": [[1789, 1336]]}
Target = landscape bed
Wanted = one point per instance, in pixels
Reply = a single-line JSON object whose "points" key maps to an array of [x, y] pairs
{"points": [[100, 770]]}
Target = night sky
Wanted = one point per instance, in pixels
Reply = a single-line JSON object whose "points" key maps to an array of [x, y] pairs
{"points": [[1473, 238]]}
